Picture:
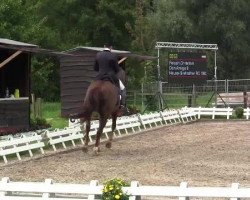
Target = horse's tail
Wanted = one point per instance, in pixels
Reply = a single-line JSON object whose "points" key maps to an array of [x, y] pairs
{"points": [[74, 116]]}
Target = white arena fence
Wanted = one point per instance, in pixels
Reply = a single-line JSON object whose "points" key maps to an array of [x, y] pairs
{"points": [[246, 112], [28, 142], [21, 144], [61, 191], [200, 111]]}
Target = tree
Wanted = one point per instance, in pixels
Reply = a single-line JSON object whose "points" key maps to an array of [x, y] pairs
{"points": [[227, 24]]}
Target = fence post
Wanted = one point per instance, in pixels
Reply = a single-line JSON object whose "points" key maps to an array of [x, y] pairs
{"points": [[134, 98], [38, 108], [183, 186], [189, 101], [47, 195], [134, 184], [33, 105], [93, 183], [247, 113], [5, 180], [227, 85], [245, 97], [235, 187], [193, 96]]}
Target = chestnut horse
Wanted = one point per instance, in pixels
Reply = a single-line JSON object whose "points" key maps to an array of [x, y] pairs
{"points": [[101, 97]]}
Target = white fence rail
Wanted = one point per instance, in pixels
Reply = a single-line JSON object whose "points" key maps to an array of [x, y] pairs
{"points": [[61, 191], [21, 144], [200, 111], [65, 135], [125, 125]]}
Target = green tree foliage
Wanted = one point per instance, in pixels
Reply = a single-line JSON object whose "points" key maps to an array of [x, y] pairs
{"points": [[131, 25], [88, 22], [227, 24], [13, 20], [224, 22]]}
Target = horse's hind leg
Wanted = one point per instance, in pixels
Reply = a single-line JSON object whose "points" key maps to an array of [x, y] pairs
{"points": [[109, 143], [86, 137], [102, 124]]}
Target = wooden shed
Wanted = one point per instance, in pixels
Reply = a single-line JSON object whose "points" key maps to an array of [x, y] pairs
{"points": [[77, 73], [15, 79]]}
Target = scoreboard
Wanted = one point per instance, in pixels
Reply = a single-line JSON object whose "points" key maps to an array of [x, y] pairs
{"points": [[187, 67]]}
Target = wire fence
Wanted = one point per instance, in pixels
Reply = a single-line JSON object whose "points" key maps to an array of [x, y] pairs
{"points": [[160, 95]]}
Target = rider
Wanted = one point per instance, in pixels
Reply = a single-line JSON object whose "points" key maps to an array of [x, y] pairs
{"points": [[106, 64]]}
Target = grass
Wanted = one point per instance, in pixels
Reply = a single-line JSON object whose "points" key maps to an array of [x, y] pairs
{"points": [[52, 114], [173, 101], [52, 110]]}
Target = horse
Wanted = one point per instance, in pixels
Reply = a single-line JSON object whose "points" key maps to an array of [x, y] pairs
{"points": [[102, 97]]}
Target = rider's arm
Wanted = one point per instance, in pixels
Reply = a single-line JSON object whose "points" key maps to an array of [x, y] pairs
{"points": [[96, 66], [115, 65]]}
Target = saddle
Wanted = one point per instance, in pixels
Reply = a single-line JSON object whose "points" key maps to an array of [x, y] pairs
{"points": [[109, 77], [112, 79]]}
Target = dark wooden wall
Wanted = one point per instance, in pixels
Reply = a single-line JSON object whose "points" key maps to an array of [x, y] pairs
{"points": [[14, 113], [76, 75]]}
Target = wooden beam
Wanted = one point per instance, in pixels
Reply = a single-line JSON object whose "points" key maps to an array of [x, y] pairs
{"points": [[120, 61], [10, 58]]}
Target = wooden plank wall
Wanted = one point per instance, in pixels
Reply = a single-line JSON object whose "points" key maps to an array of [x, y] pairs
{"points": [[14, 113], [76, 75]]}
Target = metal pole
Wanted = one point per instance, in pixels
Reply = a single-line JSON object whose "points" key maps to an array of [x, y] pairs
{"points": [[215, 77], [158, 65], [159, 81], [142, 96]]}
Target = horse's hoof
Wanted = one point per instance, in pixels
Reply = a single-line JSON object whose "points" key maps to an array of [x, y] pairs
{"points": [[96, 150], [109, 145], [85, 149]]}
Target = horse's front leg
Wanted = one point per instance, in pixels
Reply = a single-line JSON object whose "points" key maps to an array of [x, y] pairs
{"points": [[109, 143], [86, 137], [102, 124]]}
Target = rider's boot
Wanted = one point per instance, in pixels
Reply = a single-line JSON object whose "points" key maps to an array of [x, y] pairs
{"points": [[123, 106]]}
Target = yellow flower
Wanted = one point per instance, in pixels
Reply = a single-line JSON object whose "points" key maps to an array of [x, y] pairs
{"points": [[106, 189], [117, 196], [110, 187]]}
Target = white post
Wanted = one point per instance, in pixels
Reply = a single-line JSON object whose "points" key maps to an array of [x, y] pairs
{"points": [[235, 187], [5, 180], [134, 185], [93, 183], [248, 112], [213, 115], [183, 186], [228, 110], [199, 113], [46, 194]]}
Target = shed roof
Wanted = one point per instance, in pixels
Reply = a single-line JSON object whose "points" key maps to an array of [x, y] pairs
{"points": [[81, 48], [4, 41], [26, 47], [118, 52]]}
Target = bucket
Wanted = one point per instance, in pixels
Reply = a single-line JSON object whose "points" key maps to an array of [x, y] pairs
{"points": [[17, 95]]}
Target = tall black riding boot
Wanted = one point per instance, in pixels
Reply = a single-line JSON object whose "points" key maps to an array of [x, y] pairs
{"points": [[123, 102], [123, 97]]}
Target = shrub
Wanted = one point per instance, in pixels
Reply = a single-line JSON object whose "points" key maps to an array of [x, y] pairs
{"points": [[112, 190], [38, 123], [133, 110], [239, 112], [151, 102]]}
